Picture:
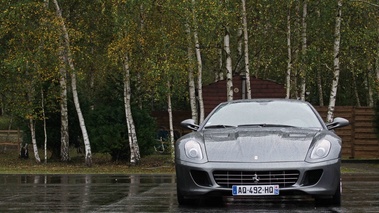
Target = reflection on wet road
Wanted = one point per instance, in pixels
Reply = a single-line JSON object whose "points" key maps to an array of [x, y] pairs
{"points": [[157, 193]]}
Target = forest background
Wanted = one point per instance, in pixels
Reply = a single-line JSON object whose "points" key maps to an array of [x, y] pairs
{"points": [[89, 72]]}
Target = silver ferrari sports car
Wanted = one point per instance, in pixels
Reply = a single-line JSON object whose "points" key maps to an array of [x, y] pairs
{"points": [[260, 147]]}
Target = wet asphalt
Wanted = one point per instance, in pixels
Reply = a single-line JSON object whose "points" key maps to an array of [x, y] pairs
{"points": [[157, 193]]}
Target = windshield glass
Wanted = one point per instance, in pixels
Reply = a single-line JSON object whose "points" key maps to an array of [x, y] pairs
{"points": [[265, 113]]}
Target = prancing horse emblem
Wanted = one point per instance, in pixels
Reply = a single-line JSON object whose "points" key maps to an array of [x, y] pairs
{"points": [[255, 178]]}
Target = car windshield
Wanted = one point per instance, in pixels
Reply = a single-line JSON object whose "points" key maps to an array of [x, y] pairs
{"points": [[264, 114]]}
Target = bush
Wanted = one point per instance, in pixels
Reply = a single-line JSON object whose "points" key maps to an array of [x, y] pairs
{"points": [[108, 132]]}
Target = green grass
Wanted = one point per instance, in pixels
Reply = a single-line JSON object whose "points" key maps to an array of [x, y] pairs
{"points": [[102, 164]]}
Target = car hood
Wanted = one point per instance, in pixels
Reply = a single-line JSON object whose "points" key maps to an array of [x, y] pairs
{"points": [[258, 145]]}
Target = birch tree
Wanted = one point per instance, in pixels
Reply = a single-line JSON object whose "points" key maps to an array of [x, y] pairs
{"points": [[68, 55], [199, 64], [229, 74], [303, 73], [132, 136], [336, 63], [65, 154], [191, 80], [246, 49], [171, 125], [30, 95], [289, 51]]}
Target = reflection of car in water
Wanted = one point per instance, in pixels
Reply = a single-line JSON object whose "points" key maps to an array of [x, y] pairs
{"points": [[162, 140], [260, 147]]}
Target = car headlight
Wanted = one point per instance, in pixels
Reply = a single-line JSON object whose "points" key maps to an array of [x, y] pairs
{"points": [[193, 150], [321, 149]]}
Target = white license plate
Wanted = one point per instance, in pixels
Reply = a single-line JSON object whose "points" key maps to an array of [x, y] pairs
{"points": [[256, 190]]}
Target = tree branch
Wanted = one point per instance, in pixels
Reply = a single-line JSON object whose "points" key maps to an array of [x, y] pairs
{"points": [[367, 2]]}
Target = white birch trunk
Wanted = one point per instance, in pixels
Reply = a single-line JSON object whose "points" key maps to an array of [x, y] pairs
{"points": [[336, 63], [246, 49], [303, 73], [289, 62], [240, 39], [356, 95], [199, 67], [65, 156], [30, 95], [34, 141], [220, 75], [88, 153], [132, 136], [169, 110], [44, 124], [87, 145], [229, 74], [368, 83], [191, 80]]}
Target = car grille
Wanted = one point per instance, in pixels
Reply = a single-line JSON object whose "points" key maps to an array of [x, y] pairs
{"points": [[283, 178]]}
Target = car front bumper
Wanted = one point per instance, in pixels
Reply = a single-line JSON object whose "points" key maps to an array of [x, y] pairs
{"points": [[317, 179]]}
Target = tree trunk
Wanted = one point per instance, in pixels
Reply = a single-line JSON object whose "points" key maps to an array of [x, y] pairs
{"points": [[88, 157], [132, 136], [65, 156], [303, 73], [368, 82], [44, 124], [34, 141], [30, 97], [220, 73], [336, 63], [356, 95], [191, 80], [238, 70], [169, 110], [229, 76], [199, 66], [289, 62], [246, 49]]}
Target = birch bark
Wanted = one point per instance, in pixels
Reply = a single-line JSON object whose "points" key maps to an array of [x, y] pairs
{"points": [[289, 62], [303, 73], [30, 95], [336, 63], [229, 75], [191, 80], [87, 145], [65, 156], [132, 136], [199, 66], [246, 49], [169, 110], [44, 124], [34, 141], [220, 73]]}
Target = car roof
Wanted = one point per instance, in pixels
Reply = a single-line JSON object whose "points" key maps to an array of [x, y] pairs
{"points": [[264, 100]]}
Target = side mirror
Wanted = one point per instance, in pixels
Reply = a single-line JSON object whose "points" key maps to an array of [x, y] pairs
{"points": [[189, 124], [337, 123]]}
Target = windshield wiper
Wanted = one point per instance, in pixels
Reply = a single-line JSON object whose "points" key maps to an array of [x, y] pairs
{"points": [[218, 126], [265, 125]]}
